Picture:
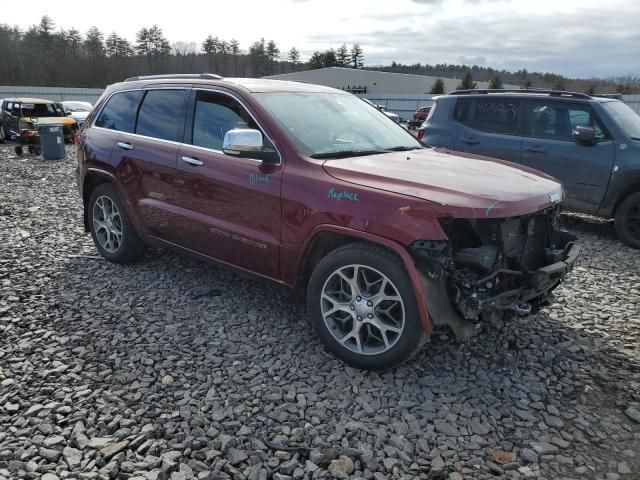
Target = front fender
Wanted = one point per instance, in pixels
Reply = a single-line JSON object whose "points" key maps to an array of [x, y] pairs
{"points": [[395, 247]]}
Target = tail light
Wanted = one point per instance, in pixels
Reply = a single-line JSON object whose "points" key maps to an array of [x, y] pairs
{"points": [[420, 133], [76, 137]]}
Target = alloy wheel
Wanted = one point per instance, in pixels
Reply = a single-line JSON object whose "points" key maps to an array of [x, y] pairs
{"points": [[362, 309], [107, 224]]}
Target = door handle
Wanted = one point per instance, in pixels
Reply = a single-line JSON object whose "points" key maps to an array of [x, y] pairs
{"points": [[192, 161], [536, 149], [125, 146], [470, 141]]}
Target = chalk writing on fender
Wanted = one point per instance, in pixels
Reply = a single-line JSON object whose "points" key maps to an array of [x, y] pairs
{"points": [[344, 195], [256, 178]]}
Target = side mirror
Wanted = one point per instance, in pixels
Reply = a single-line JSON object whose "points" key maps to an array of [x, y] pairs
{"points": [[585, 135], [247, 143]]}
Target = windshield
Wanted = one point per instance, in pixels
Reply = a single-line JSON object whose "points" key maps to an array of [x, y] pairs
{"points": [[77, 107], [41, 110], [324, 124], [627, 119]]}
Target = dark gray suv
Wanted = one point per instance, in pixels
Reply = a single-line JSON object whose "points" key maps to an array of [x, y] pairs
{"points": [[591, 144]]}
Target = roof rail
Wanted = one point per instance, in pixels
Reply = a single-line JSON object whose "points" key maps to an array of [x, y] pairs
{"points": [[176, 76], [552, 93]]}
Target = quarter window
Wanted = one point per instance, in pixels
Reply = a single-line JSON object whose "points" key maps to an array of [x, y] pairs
{"points": [[120, 112], [215, 114], [162, 114]]}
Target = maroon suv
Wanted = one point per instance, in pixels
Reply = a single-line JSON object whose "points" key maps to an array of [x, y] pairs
{"points": [[314, 189]]}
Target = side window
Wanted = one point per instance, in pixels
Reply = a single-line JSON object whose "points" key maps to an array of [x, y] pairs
{"points": [[557, 121], [120, 112], [463, 110], [583, 116], [214, 115], [162, 114], [497, 115]]}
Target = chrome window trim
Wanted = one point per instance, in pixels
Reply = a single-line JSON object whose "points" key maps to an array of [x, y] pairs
{"points": [[137, 135], [204, 89]]}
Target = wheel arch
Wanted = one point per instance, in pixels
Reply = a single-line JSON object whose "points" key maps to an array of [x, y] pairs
{"points": [[323, 239], [91, 181], [630, 189]]}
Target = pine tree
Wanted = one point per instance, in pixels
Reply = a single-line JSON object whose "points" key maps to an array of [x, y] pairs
{"points": [[316, 60], [437, 87], [496, 83], [357, 56], [210, 45], [294, 56], [342, 56], [94, 43], [329, 58], [467, 82]]}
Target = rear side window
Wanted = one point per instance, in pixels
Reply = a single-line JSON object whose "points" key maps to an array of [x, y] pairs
{"points": [[120, 112], [162, 114], [497, 115]]}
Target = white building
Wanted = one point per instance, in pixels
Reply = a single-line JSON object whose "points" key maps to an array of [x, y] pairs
{"points": [[373, 82]]}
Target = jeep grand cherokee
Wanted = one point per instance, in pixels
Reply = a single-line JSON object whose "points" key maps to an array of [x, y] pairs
{"points": [[315, 189]]}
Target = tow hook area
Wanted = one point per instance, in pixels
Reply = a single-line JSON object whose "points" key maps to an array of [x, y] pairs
{"points": [[442, 312]]}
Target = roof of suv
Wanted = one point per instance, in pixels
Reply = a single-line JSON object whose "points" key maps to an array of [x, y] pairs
{"points": [[254, 85], [532, 93]]}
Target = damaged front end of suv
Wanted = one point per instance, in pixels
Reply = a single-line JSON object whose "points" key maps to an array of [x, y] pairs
{"points": [[493, 268]]}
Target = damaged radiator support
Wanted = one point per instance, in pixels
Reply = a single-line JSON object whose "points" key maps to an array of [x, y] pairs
{"points": [[493, 267]]}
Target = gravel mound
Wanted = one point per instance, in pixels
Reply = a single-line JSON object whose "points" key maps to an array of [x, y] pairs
{"points": [[175, 369]]}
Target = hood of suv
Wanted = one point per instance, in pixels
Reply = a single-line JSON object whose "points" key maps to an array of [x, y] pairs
{"points": [[463, 185]]}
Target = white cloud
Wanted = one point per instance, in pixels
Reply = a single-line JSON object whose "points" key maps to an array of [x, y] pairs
{"points": [[572, 37]]}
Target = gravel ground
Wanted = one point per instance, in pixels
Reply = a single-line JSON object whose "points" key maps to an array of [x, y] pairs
{"points": [[175, 369]]}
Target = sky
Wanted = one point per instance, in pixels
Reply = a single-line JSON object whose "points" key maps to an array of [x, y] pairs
{"points": [[575, 38]]}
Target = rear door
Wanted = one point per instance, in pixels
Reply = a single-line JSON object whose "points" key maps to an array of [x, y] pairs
{"points": [[549, 146], [231, 205], [117, 117], [491, 127], [146, 158]]}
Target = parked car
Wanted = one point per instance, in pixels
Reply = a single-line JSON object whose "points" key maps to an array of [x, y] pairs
{"points": [[591, 144], [309, 187], [383, 109], [19, 116], [419, 117], [77, 110]]}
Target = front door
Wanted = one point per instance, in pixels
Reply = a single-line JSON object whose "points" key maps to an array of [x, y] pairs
{"points": [[549, 146], [231, 205]]}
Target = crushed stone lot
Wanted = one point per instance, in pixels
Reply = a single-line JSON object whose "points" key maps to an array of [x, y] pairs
{"points": [[175, 369]]}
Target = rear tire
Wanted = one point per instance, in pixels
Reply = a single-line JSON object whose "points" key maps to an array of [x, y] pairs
{"points": [[111, 229], [363, 307], [627, 220], [3, 134]]}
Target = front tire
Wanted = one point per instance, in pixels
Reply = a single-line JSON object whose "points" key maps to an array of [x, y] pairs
{"points": [[111, 229], [363, 307], [627, 220]]}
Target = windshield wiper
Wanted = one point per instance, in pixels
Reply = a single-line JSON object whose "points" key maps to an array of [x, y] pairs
{"points": [[402, 149], [346, 153]]}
